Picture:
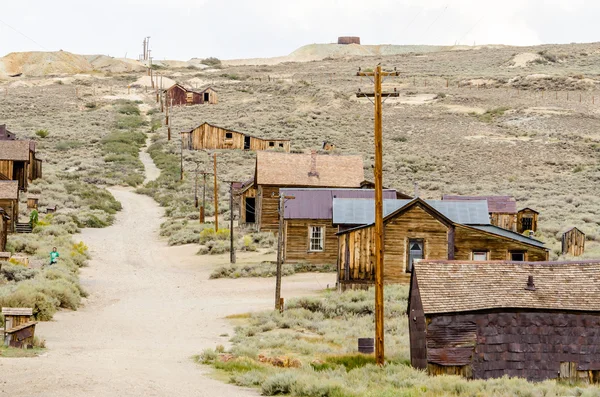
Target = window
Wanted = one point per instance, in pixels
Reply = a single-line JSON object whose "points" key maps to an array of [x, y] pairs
{"points": [[480, 255], [271, 144], [316, 238], [415, 251], [229, 135], [527, 223], [517, 256], [281, 145]]}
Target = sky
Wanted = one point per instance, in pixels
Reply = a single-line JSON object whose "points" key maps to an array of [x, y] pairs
{"points": [[230, 29]]}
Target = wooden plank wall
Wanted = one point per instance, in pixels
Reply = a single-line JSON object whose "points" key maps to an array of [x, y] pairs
{"points": [[417, 328], [178, 95], [3, 233], [297, 242], [505, 221], [573, 242], [251, 192], [11, 207], [212, 97], [526, 213], [267, 204], [6, 168], [207, 136]]}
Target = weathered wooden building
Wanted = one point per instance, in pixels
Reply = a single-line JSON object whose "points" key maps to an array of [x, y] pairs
{"points": [[208, 136], [280, 170], [422, 229], [573, 242], [6, 135], [9, 202], [521, 319], [503, 209], [4, 220], [527, 219], [309, 232], [18, 162], [178, 95]]}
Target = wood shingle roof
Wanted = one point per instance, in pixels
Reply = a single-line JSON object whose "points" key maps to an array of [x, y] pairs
{"points": [[14, 150], [462, 286], [9, 190]]}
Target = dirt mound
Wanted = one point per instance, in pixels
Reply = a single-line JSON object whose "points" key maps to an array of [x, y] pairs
{"points": [[523, 59], [145, 81], [44, 63], [114, 65]]}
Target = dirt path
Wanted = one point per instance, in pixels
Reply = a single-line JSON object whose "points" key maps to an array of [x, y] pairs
{"points": [[152, 171], [150, 308]]}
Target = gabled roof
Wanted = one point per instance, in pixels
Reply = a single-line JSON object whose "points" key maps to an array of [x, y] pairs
{"points": [[528, 209], [462, 286], [15, 150], [182, 87], [208, 88], [317, 203], [362, 212], [9, 190], [496, 204], [5, 134], [571, 229], [293, 169]]}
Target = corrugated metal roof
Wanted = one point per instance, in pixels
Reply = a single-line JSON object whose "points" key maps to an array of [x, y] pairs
{"points": [[317, 203], [362, 211], [496, 204], [510, 234]]}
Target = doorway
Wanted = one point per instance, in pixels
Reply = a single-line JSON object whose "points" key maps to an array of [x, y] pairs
{"points": [[250, 209], [206, 97], [246, 143], [415, 251]]}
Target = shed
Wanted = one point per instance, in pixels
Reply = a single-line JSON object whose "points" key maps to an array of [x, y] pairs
{"points": [[18, 162], [573, 242], [527, 219], [209, 96], [309, 233], [276, 170], [19, 329], [208, 136], [503, 209], [6, 135], [9, 202], [422, 229], [520, 319], [178, 95]]}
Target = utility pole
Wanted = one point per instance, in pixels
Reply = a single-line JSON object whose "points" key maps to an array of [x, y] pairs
{"points": [[216, 194], [280, 211], [202, 216], [181, 159], [231, 245], [378, 174]]}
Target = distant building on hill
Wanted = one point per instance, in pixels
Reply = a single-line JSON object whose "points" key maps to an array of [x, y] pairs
{"points": [[208, 136], [348, 40], [6, 135], [178, 95]]}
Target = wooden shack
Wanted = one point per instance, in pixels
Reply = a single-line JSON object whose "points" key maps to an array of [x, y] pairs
{"points": [[6, 135], [573, 242], [518, 319], [280, 170], [309, 232], [19, 328], [425, 229], [9, 202], [209, 96], [18, 162], [178, 95], [503, 209], [247, 203], [527, 219], [208, 136]]}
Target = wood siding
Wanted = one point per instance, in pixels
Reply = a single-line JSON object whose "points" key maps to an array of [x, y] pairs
{"points": [[207, 136], [3, 232], [573, 242], [505, 221], [212, 96], [529, 344], [296, 242], [467, 240], [178, 96], [249, 193], [11, 207], [526, 214], [267, 204], [417, 328], [6, 169], [16, 171]]}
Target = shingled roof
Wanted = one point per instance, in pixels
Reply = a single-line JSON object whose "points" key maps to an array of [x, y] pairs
{"points": [[287, 169], [9, 190], [14, 150], [461, 286], [496, 204]]}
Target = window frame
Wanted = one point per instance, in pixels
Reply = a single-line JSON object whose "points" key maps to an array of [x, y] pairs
{"points": [[271, 144], [486, 252], [310, 238], [510, 255], [408, 268], [228, 135]]}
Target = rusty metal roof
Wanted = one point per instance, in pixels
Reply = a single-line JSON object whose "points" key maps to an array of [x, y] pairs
{"points": [[311, 203], [496, 204], [460, 286]]}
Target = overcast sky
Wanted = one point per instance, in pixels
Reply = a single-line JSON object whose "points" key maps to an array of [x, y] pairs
{"points": [[182, 29]]}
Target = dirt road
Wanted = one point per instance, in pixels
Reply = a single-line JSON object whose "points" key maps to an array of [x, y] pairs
{"points": [[150, 308]]}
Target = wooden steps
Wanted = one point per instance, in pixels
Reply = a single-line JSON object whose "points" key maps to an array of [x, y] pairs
{"points": [[23, 228]]}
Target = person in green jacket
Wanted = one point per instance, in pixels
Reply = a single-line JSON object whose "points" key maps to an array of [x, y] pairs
{"points": [[54, 256]]}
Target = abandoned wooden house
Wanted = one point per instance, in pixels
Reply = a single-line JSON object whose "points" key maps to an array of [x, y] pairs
{"points": [[573, 242], [309, 232], [280, 170], [503, 209], [4, 219], [490, 319], [178, 95], [18, 162], [208, 136], [9, 202], [19, 327], [422, 229], [6, 135], [527, 220]]}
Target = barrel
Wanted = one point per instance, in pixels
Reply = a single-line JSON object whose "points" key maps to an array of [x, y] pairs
{"points": [[366, 345]]}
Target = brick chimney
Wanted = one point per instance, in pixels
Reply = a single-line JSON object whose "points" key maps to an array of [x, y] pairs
{"points": [[530, 284], [313, 164]]}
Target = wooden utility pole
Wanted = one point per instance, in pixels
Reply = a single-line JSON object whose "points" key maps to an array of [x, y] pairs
{"points": [[378, 174], [280, 210], [202, 215], [231, 245], [216, 194], [181, 159]]}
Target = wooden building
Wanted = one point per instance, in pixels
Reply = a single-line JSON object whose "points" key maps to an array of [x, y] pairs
{"points": [[18, 162], [309, 232], [4, 220], [527, 219], [9, 202], [573, 242], [208, 136], [178, 95], [280, 170], [6, 135], [520, 319], [247, 203], [424, 229], [503, 209]]}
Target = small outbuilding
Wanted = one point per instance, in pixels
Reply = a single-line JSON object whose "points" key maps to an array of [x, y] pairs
{"points": [[527, 219], [208, 136], [503, 209], [18, 162], [9, 203], [573, 242], [4, 219], [178, 95], [486, 320], [6, 135]]}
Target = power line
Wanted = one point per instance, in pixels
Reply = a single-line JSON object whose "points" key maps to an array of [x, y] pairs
{"points": [[436, 19], [24, 35]]}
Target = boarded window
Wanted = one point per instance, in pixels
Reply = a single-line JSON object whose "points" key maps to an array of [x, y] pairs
{"points": [[229, 135], [316, 237], [480, 256], [517, 256]]}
